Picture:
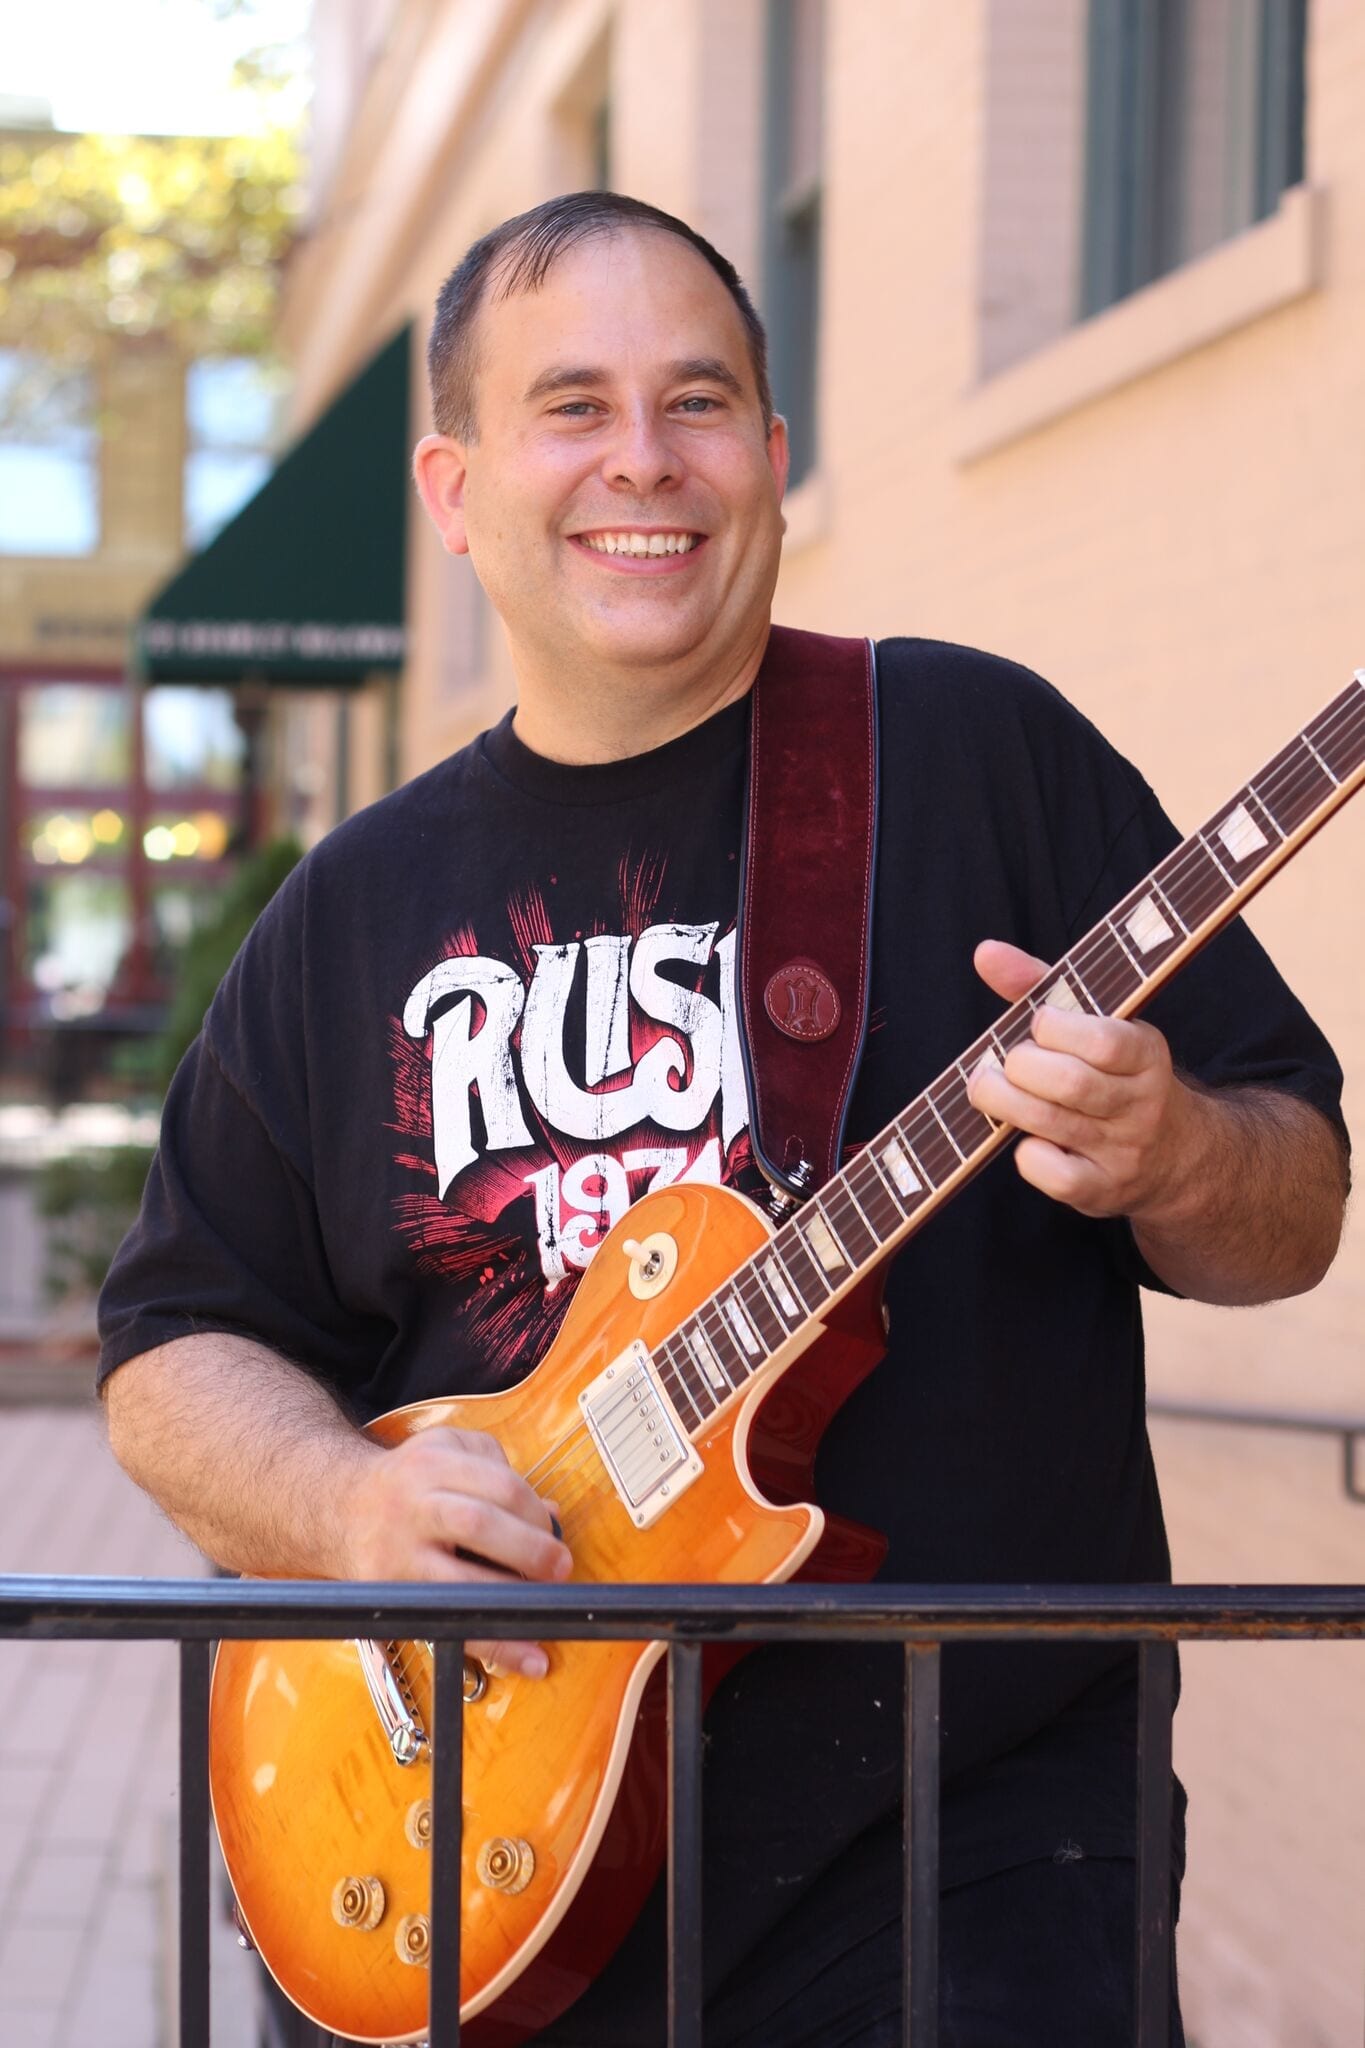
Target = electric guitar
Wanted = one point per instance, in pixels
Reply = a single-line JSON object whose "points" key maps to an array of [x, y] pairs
{"points": [[675, 1421]]}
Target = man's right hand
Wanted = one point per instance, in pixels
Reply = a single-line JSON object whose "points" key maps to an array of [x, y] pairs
{"points": [[445, 1505]]}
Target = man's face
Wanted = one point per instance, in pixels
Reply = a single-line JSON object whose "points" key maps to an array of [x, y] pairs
{"points": [[621, 500]]}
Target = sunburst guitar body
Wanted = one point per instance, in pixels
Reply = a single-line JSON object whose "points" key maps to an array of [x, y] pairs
{"points": [[326, 1833]]}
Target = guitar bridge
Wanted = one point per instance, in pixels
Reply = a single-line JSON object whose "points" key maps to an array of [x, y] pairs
{"points": [[639, 1436]]}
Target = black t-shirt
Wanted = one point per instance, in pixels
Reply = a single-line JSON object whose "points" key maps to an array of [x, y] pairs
{"points": [[489, 1012]]}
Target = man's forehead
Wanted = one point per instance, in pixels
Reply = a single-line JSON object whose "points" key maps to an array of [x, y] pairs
{"points": [[602, 302]]}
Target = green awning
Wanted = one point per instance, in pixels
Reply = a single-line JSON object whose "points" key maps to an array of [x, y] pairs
{"points": [[305, 584]]}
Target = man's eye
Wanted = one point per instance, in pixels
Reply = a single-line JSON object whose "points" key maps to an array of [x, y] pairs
{"points": [[576, 408], [697, 403]]}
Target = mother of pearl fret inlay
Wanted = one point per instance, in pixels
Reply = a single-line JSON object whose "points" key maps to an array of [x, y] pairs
{"points": [[903, 1175], [820, 1238], [779, 1290], [706, 1359], [1240, 833], [1147, 925], [1062, 996], [742, 1327]]}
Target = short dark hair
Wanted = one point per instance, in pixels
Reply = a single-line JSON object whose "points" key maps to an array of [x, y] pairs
{"points": [[524, 249]]}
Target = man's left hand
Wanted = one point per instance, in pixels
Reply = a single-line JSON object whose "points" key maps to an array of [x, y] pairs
{"points": [[1109, 1129]]}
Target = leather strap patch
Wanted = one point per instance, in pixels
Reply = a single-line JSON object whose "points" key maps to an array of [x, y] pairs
{"points": [[806, 898], [802, 1001]]}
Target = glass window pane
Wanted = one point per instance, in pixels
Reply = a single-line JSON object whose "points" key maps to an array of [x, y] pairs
{"points": [[49, 501], [191, 740], [79, 928], [74, 736], [231, 402], [218, 483]]}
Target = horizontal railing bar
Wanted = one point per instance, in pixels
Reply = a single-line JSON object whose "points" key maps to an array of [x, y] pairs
{"points": [[48, 1608], [1258, 1418]]}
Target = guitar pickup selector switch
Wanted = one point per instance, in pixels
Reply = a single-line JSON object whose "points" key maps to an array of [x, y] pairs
{"points": [[639, 1436]]}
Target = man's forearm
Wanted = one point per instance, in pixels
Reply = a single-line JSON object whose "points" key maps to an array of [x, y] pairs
{"points": [[1258, 1210], [244, 1451]]}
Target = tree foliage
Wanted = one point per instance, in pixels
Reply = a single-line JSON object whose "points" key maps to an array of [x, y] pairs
{"points": [[143, 238]]}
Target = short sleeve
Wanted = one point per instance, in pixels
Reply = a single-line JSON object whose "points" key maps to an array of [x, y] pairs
{"points": [[229, 1236]]}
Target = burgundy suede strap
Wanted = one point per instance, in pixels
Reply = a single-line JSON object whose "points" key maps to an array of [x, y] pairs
{"points": [[806, 898]]}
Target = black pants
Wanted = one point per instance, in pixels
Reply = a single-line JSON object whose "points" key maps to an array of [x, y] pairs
{"points": [[1040, 1956]]}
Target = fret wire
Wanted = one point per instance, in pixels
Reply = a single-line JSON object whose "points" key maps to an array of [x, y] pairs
{"points": [[725, 1340], [770, 1298], [933, 1106], [693, 1325], [901, 1129], [1203, 841], [1318, 758], [1133, 962], [800, 1246], [852, 1194], [760, 1310], [853, 1224], [1157, 890], [817, 1208], [684, 1368], [870, 1156], [1264, 809], [1207, 885], [1069, 965], [733, 1313], [1342, 727], [1294, 774], [876, 1192], [1104, 953], [846, 1183], [675, 1379], [775, 1255]]}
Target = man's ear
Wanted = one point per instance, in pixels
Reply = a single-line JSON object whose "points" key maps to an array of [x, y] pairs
{"points": [[779, 453], [438, 470]]}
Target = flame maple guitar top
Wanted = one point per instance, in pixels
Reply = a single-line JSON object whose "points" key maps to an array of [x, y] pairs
{"points": [[306, 1791]]}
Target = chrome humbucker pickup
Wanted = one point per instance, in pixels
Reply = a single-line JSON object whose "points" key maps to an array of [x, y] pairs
{"points": [[638, 1432]]}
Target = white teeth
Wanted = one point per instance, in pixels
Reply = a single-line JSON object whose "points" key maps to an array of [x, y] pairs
{"points": [[640, 544]]}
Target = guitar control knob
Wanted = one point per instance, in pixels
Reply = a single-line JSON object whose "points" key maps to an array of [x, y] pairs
{"points": [[358, 1902], [475, 1681], [412, 1939], [505, 1864], [417, 1824]]}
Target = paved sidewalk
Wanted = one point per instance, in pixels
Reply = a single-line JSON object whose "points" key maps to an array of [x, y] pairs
{"points": [[88, 1767]]}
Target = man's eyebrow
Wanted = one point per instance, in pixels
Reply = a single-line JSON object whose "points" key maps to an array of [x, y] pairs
{"points": [[688, 370], [560, 380]]}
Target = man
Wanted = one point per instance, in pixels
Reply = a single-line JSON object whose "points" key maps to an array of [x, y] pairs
{"points": [[487, 1014]]}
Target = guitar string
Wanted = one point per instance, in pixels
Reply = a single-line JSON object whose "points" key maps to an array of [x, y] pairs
{"points": [[573, 1454]]}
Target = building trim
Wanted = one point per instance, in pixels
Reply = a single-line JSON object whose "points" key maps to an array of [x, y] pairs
{"points": [[1268, 266]]}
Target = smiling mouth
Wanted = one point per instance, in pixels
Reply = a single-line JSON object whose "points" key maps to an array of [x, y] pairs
{"points": [[640, 545]]}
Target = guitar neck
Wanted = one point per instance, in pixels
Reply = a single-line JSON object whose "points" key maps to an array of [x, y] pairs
{"points": [[893, 1184]]}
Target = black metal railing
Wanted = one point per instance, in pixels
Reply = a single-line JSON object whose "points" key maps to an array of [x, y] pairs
{"points": [[921, 1618], [1349, 1430]]}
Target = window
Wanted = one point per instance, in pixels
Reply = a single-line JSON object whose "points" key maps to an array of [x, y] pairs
{"points": [[49, 458], [231, 404], [1195, 119], [791, 255], [116, 838]]}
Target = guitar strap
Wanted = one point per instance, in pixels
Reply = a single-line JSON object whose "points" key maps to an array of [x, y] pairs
{"points": [[805, 921]]}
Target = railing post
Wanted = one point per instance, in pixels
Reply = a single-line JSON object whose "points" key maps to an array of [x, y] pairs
{"points": [[447, 1818], [684, 1846], [1156, 1705], [920, 1936], [194, 1844]]}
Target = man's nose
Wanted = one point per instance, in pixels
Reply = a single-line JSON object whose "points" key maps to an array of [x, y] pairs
{"points": [[642, 456]]}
